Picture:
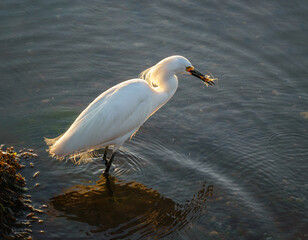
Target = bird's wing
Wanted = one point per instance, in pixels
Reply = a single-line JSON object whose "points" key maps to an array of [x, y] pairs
{"points": [[116, 112]]}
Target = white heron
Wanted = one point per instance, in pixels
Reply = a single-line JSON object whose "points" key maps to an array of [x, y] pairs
{"points": [[118, 113]]}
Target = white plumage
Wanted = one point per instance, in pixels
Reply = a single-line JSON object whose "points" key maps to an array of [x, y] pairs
{"points": [[119, 112]]}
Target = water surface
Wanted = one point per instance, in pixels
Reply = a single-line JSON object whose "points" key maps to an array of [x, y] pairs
{"points": [[223, 162]]}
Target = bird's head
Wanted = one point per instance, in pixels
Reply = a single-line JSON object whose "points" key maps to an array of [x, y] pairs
{"points": [[180, 65]]}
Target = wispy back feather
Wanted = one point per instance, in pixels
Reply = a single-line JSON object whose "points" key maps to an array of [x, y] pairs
{"points": [[146, 75]]}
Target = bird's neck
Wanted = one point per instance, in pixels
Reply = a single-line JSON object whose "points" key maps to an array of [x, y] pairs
{"points": [[163, 83], [164, 80], [166, 85]]}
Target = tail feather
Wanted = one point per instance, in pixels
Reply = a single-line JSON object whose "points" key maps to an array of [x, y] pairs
{"points": [[51, 142], [77, 158], [83, 157]]}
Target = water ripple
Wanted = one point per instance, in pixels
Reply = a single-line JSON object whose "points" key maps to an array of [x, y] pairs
{"points": [[288, 143]]}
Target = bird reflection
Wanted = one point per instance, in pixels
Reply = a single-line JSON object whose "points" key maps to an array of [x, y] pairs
{"points": [[122, 209]]}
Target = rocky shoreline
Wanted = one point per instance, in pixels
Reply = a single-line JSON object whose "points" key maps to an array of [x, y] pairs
{"points": [[16, 211]]}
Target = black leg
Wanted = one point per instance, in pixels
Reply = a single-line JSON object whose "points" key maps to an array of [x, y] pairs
{"points": [[108, 185], [106, 172], [105, 156]]}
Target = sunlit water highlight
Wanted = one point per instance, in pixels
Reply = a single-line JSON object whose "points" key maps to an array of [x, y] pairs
{"points": [[118, 210]]}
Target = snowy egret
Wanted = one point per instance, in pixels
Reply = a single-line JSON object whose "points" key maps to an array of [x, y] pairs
{"points": [[119, 112]]}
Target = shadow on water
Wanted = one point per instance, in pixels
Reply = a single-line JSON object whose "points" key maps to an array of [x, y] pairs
{"points": [[117, 209]]}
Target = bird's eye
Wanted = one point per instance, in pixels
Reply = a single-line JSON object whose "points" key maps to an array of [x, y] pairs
{"points": [[188, 69]]}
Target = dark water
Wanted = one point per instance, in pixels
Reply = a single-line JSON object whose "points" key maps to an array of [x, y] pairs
{"points": [[224, 162]]}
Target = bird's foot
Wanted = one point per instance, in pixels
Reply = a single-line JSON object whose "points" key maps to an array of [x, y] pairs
{"points": [[106, 174]]}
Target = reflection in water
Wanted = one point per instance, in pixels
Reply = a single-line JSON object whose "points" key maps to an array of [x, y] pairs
{"points": [[121, 209]]}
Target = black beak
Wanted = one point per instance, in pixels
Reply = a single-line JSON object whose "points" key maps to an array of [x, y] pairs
{"points": [[203, 77]]}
